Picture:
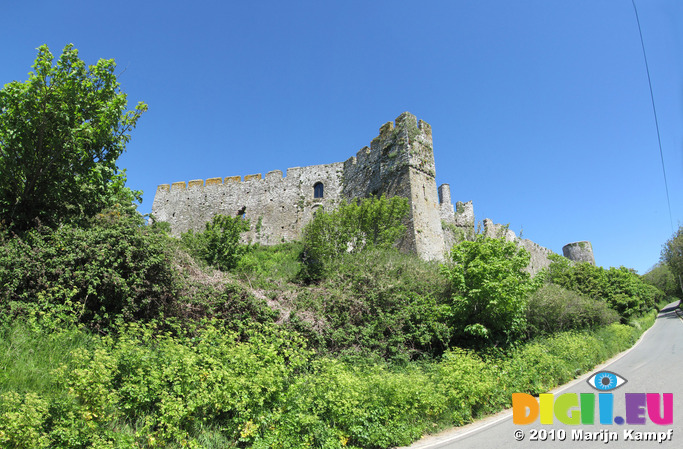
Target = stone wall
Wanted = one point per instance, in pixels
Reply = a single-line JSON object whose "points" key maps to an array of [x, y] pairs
{"points": [[278, 207], [579, 252], [399, 162], [539, 255]]}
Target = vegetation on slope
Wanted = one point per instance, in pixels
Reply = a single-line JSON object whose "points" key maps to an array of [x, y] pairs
{"points": [[373, 355], [114, 334]]}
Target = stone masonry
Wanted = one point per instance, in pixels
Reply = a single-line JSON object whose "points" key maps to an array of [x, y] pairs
{"points": [[398, 162], [579, 252]]}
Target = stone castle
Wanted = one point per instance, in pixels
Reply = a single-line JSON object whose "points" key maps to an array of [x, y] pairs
{"points": [[399, 162]]}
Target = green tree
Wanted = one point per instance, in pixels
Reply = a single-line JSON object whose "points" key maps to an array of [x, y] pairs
{"points": [[490, 289], [661, 277], [61, 132], [621, 288], [113, 266], [672, 255]]}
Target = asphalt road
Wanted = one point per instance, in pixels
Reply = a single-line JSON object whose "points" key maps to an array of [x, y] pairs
{"points": [[653, 365]]}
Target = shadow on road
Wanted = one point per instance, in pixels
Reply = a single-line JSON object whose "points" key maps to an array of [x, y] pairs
{"points": [[670, 312]]}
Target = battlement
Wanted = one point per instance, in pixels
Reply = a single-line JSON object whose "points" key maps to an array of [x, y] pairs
{"points": [[398, 162], [273, 175], [405, 121]]}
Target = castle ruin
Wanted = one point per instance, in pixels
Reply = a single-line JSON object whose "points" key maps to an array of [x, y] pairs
{"points": [[398, 162]]}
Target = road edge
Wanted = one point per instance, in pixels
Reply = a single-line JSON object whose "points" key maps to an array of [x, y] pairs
{"points": [[454, 434]]}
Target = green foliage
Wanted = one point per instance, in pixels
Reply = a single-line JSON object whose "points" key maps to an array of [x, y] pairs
{"points": [[490, 289], [470, 385], [171, 387], [116, 267], [22, 418], [231, 303], [628, 294], [553, 309], [672, 254], [213, 387], [621, 288], [661, 277], [219, 244], [267, 265], [377, 304], [352, 227], [61, 132]]}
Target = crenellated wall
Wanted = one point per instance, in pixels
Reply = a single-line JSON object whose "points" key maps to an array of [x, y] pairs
{"points": [[278, 206], [398, 162], [538, 254]]}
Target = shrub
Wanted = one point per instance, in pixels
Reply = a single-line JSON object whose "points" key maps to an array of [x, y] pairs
{"points": [[261, 388], [621, 288], [672, 254], [470, 384], [660, 276], [219, 244], [231, 303], [22, 420], [628, 294], [115, 267], [554, 309], [377, 303], [352, 227], [490, 289]]}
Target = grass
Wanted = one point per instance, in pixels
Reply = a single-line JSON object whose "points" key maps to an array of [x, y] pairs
{"points": [[28, 355]]}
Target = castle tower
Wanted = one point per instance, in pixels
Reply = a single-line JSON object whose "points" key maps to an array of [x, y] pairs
{"points": [[399, 162], [406, 168], [579, 252]]}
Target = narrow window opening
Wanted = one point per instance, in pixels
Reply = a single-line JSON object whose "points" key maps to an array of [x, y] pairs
{"points": [[318, 190]]}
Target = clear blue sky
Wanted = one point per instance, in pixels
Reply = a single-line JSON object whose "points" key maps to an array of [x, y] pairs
{"points": [[540, 109]]}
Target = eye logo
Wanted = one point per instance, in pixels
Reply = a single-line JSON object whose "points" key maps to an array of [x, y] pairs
{"points": [[606, 381]]}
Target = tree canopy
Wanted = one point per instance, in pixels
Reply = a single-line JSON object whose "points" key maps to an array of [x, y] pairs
{"points": [[672, 254], [61, 132], [490, 288]]}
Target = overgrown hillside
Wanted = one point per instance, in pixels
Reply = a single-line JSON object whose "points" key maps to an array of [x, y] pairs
{"points": [[114, 334]]}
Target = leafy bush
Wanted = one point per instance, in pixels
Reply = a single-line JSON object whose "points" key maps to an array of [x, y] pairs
{"points": [[490, 289], [377, 303], [212, 387], [231, 303], [672, 254], [167, 387], [470, 384], [554, 309], [219, 244], [116, 267], [352, 227], [621, 288]]}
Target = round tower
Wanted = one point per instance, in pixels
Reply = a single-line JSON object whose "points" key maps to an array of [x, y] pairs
{"points": [[579, 252]]}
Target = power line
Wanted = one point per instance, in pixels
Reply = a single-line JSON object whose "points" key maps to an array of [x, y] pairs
{"points": [[654, 110]]}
